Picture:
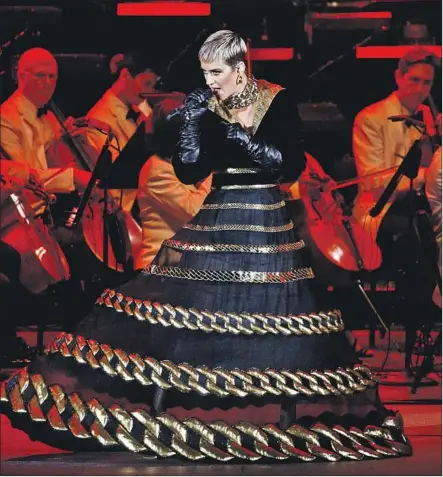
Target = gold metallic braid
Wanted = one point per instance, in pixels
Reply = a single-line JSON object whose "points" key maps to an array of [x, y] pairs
{"points": [[239, 170], [220, 322], [240, 227], [228, 247], [240, 186], [218, 381], [165, 436], [237, 276], [243, 206]]}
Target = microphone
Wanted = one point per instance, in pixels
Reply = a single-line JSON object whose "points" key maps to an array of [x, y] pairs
{"points": [[86, 122], [207, 94]]}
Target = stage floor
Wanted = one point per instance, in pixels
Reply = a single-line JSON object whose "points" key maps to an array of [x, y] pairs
{"points": [[421, 413]]}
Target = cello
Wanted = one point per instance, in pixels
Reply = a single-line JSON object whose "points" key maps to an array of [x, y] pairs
{"points": [[23, 228], [124, 233], [337, 235]]}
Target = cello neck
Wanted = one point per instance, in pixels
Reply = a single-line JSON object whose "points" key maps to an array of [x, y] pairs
{"points": [[74, 143]]}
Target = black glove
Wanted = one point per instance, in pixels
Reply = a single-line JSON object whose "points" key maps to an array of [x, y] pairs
{"points": [[199, 97], [186, 159], [260, 152], [195, 104]]}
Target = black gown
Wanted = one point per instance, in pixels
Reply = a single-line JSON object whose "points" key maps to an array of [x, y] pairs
{"points": [[224, 320]]}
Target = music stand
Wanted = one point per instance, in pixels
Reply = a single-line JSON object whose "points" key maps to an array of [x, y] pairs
{"points": [[123, 173], [125, 169], [119, 174]]}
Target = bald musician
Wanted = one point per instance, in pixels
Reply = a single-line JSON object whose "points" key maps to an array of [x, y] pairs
{"points": [[27, 129]]}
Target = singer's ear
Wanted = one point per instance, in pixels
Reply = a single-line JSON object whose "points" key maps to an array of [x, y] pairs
{"points": [[240, 67]]}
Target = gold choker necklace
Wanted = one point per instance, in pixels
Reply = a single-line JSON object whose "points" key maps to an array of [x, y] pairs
{"points": [[245, 98]]}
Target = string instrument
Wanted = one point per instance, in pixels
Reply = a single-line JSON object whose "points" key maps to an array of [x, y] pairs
{"points": [[435, 135], [23, 228], [124, 233], [368, 198], [336, 233]]}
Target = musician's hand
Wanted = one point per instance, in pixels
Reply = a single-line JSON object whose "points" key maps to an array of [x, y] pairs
{"points": [[34, 177], [15, 185], [81, 179], [10, 185], [72, 129], [145, 110]]}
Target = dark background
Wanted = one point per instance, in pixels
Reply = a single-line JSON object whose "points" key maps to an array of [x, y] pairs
{"points": [[85, 33]]}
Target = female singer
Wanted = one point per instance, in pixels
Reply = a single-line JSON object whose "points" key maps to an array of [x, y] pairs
{"points": [[193, 357]]}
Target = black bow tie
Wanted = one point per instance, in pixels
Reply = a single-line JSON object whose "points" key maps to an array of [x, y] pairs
{"points": [[131, 114], [42, 111], [418, 116]]}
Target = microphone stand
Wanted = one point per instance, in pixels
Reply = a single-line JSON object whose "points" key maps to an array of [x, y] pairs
{"points": [[409, 168]]}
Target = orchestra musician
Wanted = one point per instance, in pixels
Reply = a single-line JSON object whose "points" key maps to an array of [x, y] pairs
{"points": [[123, 107], [165, 203], [381, 144], [28, 128]]}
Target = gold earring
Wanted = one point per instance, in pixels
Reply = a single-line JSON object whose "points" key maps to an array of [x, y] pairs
{"points": [[239, 79]]}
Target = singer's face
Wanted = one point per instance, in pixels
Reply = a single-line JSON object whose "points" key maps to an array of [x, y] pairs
{"points": [[38, 82], [221, 78], [415, 85]]}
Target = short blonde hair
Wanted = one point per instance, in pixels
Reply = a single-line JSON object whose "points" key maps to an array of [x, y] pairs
{"points": [[225, 46]]}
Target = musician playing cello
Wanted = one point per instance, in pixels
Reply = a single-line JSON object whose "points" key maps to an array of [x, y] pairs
{"points": [[123, 107], [28, 129], [380, 143]]}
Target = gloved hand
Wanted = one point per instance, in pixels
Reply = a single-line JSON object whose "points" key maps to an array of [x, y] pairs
{"points": [[189, 141], [258, 150], [196, 104], [199, 97]]}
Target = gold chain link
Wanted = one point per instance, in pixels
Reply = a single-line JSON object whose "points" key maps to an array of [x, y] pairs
{"points": [[203, 380], [240, 227], [243, 206], [226, 247], [236, 323], [237, 276], [166, 436]]}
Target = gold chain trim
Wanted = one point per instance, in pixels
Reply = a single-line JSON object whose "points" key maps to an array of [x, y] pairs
{"points": [[251, 186], [243, 99], [165, 436], [240, 227], [220, 322], [203, 380], [230, 247], [237, 276], [234, 205], [266, 93], [239, 170]]}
